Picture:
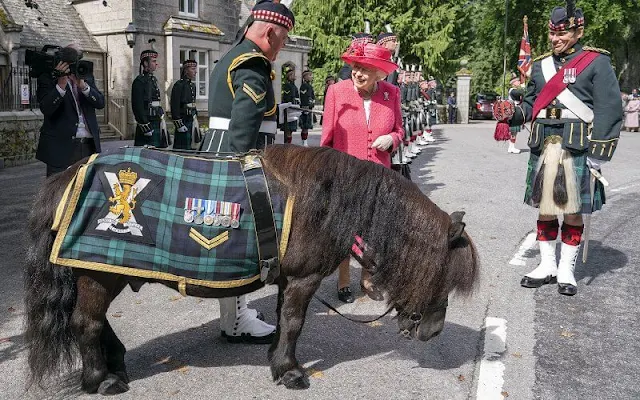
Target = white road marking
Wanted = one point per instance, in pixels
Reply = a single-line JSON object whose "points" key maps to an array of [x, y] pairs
{"points": [[491, 377], [621, 188], [527, 244]]}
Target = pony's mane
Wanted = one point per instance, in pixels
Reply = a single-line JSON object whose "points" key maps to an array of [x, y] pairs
{"points": [[344, 196]]}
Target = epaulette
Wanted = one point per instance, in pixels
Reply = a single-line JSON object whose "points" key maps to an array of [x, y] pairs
{"points": [[540, 57], [597, 50], [247, 56]]}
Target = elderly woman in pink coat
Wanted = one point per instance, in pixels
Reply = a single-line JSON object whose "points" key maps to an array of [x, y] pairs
{"points": [[631, 112], [362, 118]]}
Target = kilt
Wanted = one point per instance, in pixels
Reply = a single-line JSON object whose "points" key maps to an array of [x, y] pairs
{"points": [[155, 140], [515, 130], [182, 140], [159, 238], [306, 120], [293, 126], [583, 176]]}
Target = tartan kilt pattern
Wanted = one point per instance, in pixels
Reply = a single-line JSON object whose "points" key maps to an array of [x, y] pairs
{"points": [[306, 121], [156, 140], [165, 246], [515, 129], [182, 140], [583, 176]]}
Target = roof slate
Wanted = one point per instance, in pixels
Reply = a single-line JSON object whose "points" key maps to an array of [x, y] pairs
{"points": [[64, 24]]}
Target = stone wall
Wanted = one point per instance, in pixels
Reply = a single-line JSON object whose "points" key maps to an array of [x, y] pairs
{"points": [[19, 132]]}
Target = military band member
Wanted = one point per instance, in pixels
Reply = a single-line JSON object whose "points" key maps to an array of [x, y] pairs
{"points": [[145, 103], [390, 41], [290, 94], [183, 108], [574, 102], [242, 111], [307, 101]]}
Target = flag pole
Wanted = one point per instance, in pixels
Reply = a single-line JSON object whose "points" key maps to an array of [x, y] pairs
{"points": [[504, 48]]}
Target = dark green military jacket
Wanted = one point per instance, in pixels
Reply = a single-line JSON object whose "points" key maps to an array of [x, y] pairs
{"points": [[144, 91], [597, 87], [290, 93], [241, 89], [404, 90], [307, 96], [183, 98]]}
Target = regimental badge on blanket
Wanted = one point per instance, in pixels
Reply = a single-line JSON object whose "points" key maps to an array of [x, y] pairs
{"points": [[211, 212], [125, 189]]}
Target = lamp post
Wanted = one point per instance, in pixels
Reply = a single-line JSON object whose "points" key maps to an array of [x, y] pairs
{"points": [[130, 34]]}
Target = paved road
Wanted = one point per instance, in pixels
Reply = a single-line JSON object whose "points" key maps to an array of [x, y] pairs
{"points": [[537, 344]]}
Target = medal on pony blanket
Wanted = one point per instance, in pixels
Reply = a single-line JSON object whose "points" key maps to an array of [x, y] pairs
{"points": [[216, 217], [198, 218], [235, 215], [226, 214], [209, 210], [188, 213]]}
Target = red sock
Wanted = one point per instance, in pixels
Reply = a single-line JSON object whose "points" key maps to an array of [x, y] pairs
{"points": [[547, 230], [304, 134], [513, 139], [571, 234]]}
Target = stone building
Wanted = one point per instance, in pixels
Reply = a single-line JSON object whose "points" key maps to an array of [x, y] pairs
{"points": [[116, 33]]}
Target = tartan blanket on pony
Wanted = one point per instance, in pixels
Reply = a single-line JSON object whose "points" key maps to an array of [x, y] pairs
{"points": [[158, 215]]}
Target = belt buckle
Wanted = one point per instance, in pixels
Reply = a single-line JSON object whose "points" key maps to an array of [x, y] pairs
{"points": [[554, 113]]}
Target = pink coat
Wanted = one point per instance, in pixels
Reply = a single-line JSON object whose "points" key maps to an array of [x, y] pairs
{"points": [[344, 125]]}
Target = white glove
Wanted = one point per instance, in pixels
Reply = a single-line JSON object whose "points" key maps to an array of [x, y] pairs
{"points": [[595, 163], [281, 108], [383, 142], [150, 133], [182, 129]]}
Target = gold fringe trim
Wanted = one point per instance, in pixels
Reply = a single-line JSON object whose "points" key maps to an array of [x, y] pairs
{"points": [[57, 219], [286, 226]]}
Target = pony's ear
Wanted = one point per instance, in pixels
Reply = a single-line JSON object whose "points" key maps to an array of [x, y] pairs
{"points": [[457, 227]]}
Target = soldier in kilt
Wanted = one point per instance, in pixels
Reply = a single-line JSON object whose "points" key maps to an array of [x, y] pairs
{"points": [[242, 117], [183, 108], [574, 102], [290, 94], [145, 102], [307, 101]]}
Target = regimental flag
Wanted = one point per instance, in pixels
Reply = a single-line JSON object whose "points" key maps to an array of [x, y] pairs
{"points": [[524, 58]]}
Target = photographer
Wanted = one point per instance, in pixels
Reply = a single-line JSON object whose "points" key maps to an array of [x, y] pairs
{"points": [[70, 130]]}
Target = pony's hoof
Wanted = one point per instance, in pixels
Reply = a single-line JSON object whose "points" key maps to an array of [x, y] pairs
{"points": [[122, 375], [295, 379], [112, 384]]}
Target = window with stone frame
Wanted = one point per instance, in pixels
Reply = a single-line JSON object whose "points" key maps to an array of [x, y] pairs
{"points": [[202, 75], [188, 8]]}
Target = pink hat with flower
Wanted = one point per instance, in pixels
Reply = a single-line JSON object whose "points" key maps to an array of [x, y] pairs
{"points": [[370, 55]]}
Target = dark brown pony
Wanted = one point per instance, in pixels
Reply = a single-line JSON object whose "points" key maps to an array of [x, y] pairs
{"points": [[418, 255]]}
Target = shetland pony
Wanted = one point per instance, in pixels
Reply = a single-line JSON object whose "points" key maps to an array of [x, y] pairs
{"points": [[418, 255]]}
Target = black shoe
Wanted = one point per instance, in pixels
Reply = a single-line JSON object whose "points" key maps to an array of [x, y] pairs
{"points": [[345, 295], [250, 339], [536, 283], [567, 289]]}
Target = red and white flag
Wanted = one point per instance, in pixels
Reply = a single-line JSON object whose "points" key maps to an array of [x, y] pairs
{"points": [[524, 58]]}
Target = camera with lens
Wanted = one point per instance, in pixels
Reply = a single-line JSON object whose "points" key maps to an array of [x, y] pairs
{"points": [[46, 60]]}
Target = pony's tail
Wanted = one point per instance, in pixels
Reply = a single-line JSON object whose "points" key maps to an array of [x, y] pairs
{"points": [[50, 293]]}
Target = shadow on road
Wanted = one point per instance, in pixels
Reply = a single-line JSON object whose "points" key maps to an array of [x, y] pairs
{"points": [[602, 260], [327, 340], [420, 171]]}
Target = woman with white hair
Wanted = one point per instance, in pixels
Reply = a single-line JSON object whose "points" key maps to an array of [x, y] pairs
{"points": [[362, 118]]}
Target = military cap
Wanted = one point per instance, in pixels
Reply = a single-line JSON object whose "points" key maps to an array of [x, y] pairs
{"points": [[306, 71], [386, 36], [329, 77], [273, 12], [189, 63], [563, 18], [361, 38], [289, 68], [148, 53]]}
